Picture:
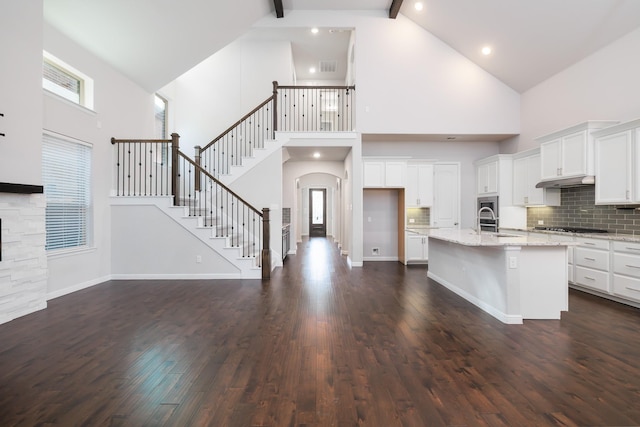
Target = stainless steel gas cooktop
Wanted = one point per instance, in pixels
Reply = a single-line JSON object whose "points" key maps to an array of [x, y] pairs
{"points": [[572, 230]]}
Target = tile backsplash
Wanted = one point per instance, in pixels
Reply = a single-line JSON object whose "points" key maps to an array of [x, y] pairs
{"points": [[286, 216], [421, 217], [578, 209]]}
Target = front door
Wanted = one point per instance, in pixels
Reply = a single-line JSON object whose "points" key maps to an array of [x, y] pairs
{"points": [[317, 212]]}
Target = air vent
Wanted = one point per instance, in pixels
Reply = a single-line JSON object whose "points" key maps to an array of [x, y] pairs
{"points": [[328, 66]]}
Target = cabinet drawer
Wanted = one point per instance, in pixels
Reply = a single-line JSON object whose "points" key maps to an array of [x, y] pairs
{"points": [[626, 264], [591, 258], [593, 243], [632, 248], [592, 278], [626, 287]]}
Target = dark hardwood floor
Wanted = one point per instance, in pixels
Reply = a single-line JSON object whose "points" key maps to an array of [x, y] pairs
{"points": [[320, 345]]}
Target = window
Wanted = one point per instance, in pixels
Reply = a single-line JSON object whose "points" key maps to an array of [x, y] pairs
{"points": [[161, 117], [161, 132], [67, 82], [66, 174]]}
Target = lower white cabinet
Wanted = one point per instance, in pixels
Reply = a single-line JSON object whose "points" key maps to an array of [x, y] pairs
{"points": [[417, 248], [591, 260], [626, 270]]}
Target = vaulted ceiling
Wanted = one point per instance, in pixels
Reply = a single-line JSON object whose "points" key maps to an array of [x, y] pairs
{"points": [[155, 41]]}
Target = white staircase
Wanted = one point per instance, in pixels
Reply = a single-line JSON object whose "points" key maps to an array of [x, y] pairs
{"points": [[259, 154]]}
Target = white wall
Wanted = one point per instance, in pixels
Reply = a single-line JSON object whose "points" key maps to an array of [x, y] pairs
{"points": [[212, 96], [149, 244], [21, 92], [464, 152], [262, 187], [603, 86], [380, 227], [122, 109], [410, 82]]}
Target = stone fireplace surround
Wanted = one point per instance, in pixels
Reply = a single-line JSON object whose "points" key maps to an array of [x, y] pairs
{"points": [[23, 265]]}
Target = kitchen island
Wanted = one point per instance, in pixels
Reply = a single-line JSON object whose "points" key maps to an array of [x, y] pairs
{"points": [[510, 277]]}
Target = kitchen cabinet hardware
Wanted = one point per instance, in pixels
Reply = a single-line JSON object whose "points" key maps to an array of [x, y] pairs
{"points": [[589, 259], [632, 266], [632, 289]]}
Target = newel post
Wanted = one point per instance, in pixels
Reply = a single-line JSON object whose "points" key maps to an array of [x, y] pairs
{"points": [[198, 159], [175, 169], [266, 251], [275, 108]]}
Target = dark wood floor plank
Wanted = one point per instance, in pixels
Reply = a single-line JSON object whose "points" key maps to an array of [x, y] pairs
{"points": [[321, 344]]}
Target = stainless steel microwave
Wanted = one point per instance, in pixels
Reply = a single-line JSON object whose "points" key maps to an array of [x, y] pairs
{"points": [[486, 221]]}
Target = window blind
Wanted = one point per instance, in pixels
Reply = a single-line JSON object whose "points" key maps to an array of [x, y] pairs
{"points": [[66, 175]]}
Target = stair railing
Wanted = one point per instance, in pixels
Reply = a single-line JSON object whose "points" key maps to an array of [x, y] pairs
{"points": [[289, 109], [157, 167]]}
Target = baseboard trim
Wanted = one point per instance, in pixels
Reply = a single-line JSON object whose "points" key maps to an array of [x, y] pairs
{"points": [[510, 319], [176, 276], [380, 258]]}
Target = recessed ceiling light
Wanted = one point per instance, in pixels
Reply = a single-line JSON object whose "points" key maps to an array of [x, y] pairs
{"points": [[486, 50], [418, 5], [312, 70], [316, 155], [315, 30]]}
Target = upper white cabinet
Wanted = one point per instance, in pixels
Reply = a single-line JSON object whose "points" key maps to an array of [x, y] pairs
{"points": [[419, 189], [618, 164], [569, 152], [526, 174], [494, 177], [384, 173], [488, 177]]}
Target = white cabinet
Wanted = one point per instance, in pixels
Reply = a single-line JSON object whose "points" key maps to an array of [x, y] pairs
{"points": [[384, 173], [417, 248], [626, 270], [487, 178], [569, 152], [591, 260], [618, 164], [419, 189], [526, 174]]}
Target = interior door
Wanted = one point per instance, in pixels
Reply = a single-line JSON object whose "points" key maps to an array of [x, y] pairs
{"points": [[446, 206], [317, 212]]}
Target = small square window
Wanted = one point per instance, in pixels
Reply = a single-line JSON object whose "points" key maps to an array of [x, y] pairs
{"points": [[67, 82]]}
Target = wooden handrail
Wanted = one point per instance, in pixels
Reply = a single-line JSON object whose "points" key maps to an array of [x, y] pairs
{"points": [[317, 87], [150, 141], [245, 117], [200, 169]]}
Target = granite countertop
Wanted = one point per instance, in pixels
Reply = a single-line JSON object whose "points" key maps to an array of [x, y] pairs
{"points": [[469, 237], [603, 236]]}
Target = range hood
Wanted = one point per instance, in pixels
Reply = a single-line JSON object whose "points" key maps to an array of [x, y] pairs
{"points": [[574, 181]]}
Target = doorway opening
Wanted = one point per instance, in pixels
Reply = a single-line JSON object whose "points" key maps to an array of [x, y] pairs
{"points": [[317, 212]]}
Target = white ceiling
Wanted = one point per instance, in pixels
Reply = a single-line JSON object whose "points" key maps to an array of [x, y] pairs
{"points": [[155, 41]]}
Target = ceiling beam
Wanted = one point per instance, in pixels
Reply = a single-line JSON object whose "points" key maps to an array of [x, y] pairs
{"points": [[280, 9], [395, 8]]}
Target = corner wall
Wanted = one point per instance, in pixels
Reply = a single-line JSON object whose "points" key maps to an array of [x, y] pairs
{"points": [[121, 109], [23, 268], [603, 86]]}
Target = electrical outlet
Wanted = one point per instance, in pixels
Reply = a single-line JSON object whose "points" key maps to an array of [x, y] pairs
{"points": [[540, 222], [375, 251], [412, 220], [513, 262], [198, 259]]}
